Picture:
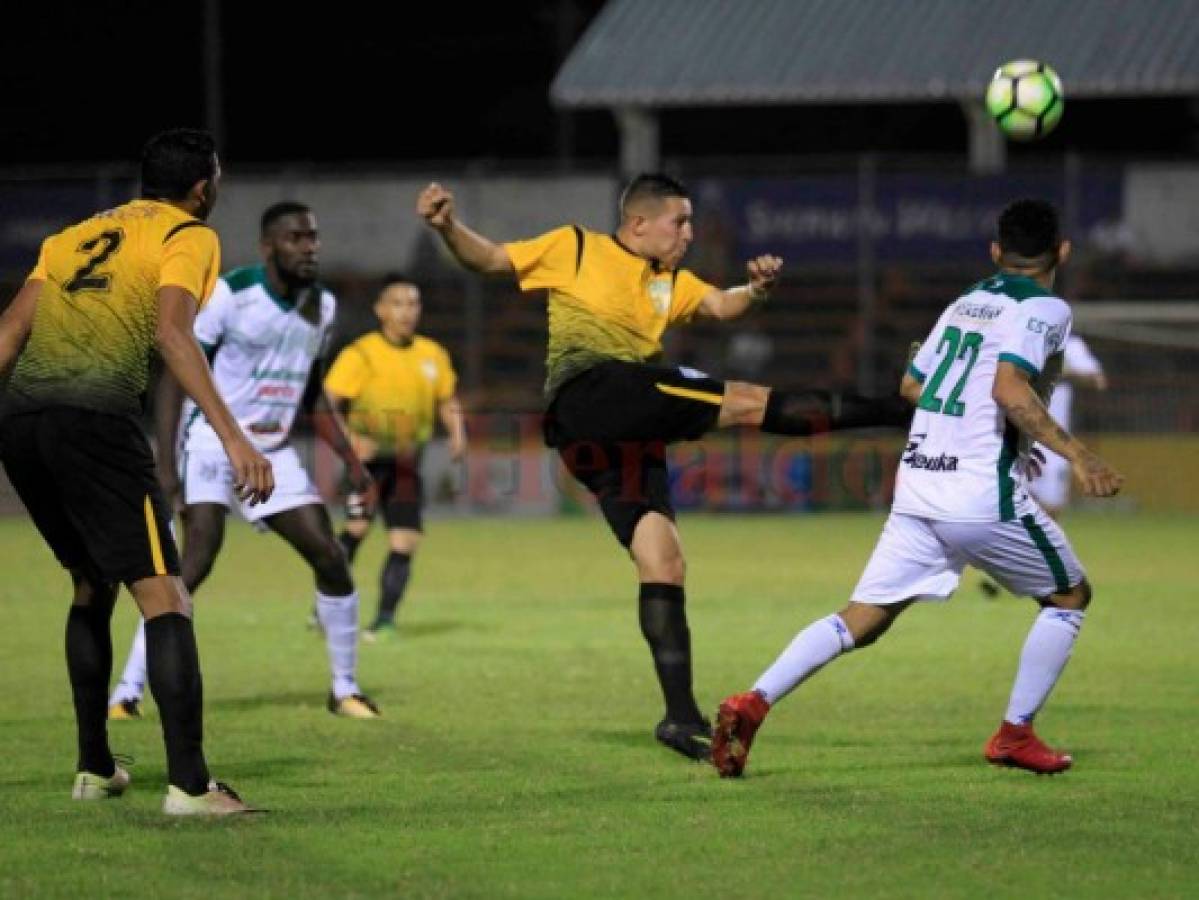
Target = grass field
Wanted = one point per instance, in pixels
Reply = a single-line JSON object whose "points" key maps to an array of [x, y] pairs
{"points": [[516, 757]]}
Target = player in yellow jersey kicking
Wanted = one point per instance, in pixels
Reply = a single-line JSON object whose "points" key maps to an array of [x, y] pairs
{"points": [[105, 294], [612, 408], [392, 383]]}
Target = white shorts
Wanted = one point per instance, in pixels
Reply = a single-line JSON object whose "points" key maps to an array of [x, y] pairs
{"points": [[1052, 489], [208, 478], [922, 559]]}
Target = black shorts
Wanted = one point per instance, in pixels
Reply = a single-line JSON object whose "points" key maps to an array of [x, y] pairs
{"points": [[399, 489], [88, 481], [611, 425]]}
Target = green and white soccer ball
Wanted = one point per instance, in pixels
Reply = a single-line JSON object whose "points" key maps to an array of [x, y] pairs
{"points": [[1025, 98]]}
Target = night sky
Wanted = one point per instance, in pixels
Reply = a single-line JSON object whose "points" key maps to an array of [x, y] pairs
{"points": [[370, 84]]}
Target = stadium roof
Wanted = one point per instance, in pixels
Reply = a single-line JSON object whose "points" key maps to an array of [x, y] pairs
{"points": [[655, 53]]}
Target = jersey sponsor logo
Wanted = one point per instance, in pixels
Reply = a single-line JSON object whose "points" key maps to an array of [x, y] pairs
{"points": [[913, 458], [265, 427], [1054, 334], [279, 374], [984, 312], [429, 368], [688, 372], [276, 391], [659, 295]]}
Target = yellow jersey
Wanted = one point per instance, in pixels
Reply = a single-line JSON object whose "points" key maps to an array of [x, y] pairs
{"points": [[605, 301], [97, 313], [393, 389]]}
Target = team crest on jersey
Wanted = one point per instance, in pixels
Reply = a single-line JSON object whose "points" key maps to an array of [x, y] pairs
{"points": [[429, 368], [659, 295]]}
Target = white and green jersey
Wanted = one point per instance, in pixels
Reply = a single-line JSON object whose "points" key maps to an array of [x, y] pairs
{"points": [[264, 351], [961, 461]]}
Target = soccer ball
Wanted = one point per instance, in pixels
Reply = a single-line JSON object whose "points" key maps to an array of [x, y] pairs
{"points": [[1025, 97]]}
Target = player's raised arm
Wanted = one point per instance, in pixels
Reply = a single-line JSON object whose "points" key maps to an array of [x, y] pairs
{"points": [[435, 205], [185, 361], [730, 303], [1018, 399]]}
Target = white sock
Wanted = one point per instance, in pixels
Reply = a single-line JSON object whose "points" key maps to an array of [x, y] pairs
{"points": [[339, 618], [1046, 650], [813, 648], [132, 685]]}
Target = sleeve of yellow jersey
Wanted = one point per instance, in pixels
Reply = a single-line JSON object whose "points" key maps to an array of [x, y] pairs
{"points": [[447, 378], [192, 260], [688, 292], [40, 272], [547, 261], [347, 375]]}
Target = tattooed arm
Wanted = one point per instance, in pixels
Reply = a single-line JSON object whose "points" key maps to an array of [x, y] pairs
{"points": [[1019, 401]]}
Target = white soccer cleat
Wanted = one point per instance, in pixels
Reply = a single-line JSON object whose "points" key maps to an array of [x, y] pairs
{"points": [[218, 800], [89, 786]]}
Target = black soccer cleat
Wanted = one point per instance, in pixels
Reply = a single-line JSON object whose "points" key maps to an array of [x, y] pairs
{"points": [[692, 739]]}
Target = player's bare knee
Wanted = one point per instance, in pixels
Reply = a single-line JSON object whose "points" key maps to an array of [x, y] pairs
{"points": [[661, 567], [869, 634], [403, 541], [663, 572], [743, 404], [331, 569], [868, 622], [358, 527], [1078, 597]]}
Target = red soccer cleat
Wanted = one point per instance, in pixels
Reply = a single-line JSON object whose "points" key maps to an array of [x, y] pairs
{"points": [[1019, 747], [737, 721]]}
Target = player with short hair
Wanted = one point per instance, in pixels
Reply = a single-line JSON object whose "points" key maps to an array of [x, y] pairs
{"points": [[961, 497], [104, 294], [390, 384], [612, 407], [264, 330]]}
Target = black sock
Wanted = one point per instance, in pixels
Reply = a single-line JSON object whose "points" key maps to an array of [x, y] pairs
{"points": [[173, 666], [349, 544], [802, 413], [89, 664], [392, 584], [664, 625]]}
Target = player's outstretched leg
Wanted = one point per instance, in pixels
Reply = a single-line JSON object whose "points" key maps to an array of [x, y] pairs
{"points": [[1046, 651], [737, 721], [741, 715], [802, 413], [309, 531]]}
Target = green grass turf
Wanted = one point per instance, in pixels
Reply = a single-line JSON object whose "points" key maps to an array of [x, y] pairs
{"points": [[516, 757]]}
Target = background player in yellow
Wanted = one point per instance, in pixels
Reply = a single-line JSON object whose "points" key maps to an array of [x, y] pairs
{"points": [[392, 384], [104, 295], [612, 408]]}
